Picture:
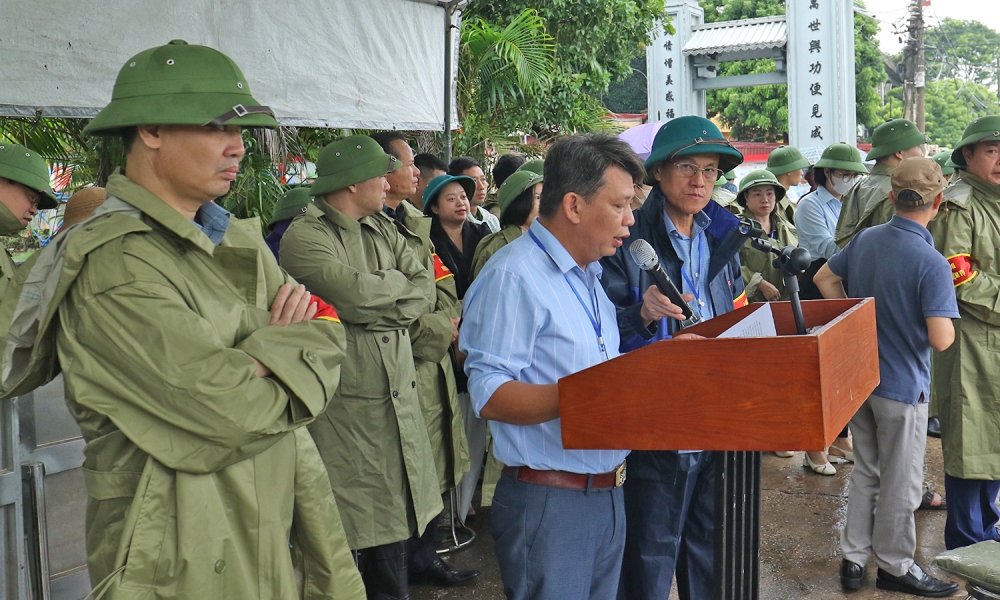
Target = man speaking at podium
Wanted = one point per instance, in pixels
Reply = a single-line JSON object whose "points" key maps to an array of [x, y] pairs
{"points": [[536, 313], [670, 503]]}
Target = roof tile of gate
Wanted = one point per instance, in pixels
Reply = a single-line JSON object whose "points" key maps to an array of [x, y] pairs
{"points": [[738, 36]]}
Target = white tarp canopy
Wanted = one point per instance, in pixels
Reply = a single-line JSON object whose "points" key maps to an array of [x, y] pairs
{"points": [[367, 64]]}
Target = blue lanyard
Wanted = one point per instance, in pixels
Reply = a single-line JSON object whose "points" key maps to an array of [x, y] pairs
{"points": [[597, 307], [695, 289]]}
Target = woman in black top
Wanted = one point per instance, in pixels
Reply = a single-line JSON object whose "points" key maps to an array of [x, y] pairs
{"points": [[446, 201]]}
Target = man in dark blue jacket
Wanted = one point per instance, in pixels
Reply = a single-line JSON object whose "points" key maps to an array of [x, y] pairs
{"points": [[670, 496]]}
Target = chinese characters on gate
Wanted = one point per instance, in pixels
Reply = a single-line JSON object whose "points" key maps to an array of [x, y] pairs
{"points": [[815, 89], [670, 112]]}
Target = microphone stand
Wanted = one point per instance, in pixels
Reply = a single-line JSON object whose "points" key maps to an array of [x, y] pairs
{"points": [[793, 262]]}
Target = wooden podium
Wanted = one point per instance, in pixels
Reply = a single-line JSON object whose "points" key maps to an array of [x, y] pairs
{"points": [[738, 396]]}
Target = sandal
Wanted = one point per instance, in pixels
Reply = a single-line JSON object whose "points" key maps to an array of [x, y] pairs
{"points": [[927, 502], [824, 468], [784, 454], [838, 452]]}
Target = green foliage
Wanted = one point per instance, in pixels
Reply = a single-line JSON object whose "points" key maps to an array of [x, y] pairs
{"points": [[630, 95], [966, 50], [761, 113], [595, 41], [951, 104]]}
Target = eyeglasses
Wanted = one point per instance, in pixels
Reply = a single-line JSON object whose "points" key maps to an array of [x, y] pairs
{"points": [[848, 175], [688, 170]]}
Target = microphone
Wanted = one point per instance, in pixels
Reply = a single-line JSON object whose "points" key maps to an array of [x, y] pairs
{"points": [[644, 256]]}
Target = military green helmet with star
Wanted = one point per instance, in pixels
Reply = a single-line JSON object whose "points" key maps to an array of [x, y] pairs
{"points": [[983, 128], [24, 166], [786, 159], [180, 84]]}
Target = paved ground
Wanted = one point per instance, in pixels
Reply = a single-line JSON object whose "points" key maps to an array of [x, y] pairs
{"points": [[802, 514]]}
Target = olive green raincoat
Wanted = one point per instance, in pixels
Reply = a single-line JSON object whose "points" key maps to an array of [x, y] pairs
{"points": [[492, 204], [758, 266], [9, 225], [489, 245], [727, 200], [964, 377], [866, 198], [431, 339], [372, 437], [199, 473]]}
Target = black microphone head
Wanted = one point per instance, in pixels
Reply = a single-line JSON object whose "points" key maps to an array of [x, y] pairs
{"points": [[643, 254], [800, 259]]}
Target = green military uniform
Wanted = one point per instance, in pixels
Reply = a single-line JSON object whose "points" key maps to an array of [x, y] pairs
{"points": [[492, 205], [431, 340], [867, 200], [196, 469], [20, 165], [489, 245], [759, 266], [963, 380], [862, 205], [373, 438]]}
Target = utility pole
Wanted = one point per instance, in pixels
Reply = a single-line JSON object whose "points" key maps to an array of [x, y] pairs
{"points": [[913, 92]]}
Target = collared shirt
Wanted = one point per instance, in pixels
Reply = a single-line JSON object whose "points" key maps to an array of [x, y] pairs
{"points": [[479, 215], [816, 219], [695, 255], [213, 221], [897, 264], [523, 322]]}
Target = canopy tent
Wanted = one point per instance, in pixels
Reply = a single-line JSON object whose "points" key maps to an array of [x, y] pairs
{"points": [[377, 64]]}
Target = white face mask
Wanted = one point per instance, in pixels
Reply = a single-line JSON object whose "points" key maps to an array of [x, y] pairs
{"points": [[841, 185]]}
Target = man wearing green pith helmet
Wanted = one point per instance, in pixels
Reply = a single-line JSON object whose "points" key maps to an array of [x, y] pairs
{"points": [[24, 190], [192, 361]]}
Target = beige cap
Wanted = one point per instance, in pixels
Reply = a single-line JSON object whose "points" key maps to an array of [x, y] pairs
{"points": [[82, 204], [920, 175]]}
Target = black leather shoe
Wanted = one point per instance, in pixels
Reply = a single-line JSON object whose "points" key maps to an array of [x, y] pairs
{"points": [[916, 582], [851, 574], [440, 573], [934, 427]]}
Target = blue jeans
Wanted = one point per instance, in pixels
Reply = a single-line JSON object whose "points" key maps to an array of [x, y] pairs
{"points": [[972, 511], [557, 544], [670, 511]]}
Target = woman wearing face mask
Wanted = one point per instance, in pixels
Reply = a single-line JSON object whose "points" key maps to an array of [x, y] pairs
{"points": [[816, 218], [817, 213]]}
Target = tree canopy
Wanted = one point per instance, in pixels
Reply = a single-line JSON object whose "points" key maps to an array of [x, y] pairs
{"points": [[951, 104], [967, 50]]}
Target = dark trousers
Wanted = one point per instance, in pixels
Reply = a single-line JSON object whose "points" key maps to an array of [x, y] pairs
{"points": [[557, 544], [383, 569], [972, 511], [421, 550], [670, 511]]}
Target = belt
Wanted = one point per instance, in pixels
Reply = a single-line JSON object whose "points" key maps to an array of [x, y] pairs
{"points": [[569, 481]]}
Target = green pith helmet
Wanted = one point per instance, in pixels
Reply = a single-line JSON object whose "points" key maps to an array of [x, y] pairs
{"points": [[685, 136], [23, 166], [943, 159], [785, 160], [515, 186], [727, 177], [290, 204], [894, 136], [843, 157], [756, 179], [180, 84], [349, 161], [434, 187], [536, 166], [983, 128]]}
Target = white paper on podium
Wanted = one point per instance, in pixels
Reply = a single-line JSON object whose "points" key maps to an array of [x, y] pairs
{"points": [[759, 323]]}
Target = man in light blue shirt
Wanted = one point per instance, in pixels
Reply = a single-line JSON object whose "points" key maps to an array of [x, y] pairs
{"points": [[536, 313]]}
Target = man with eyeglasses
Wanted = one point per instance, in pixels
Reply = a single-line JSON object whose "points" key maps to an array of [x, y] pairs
{"points": [[867, 204], [670, 496], [24, 190]]}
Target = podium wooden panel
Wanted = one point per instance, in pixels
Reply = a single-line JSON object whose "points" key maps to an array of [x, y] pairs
{"points": [[788, 392]]}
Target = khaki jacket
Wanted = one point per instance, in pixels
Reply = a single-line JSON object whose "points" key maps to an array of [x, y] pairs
{"points": [[758, 266], [9, 225], [489, 245], [964, 378], [431, 339], [862, 201], [372, 437], [199, 474]]}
